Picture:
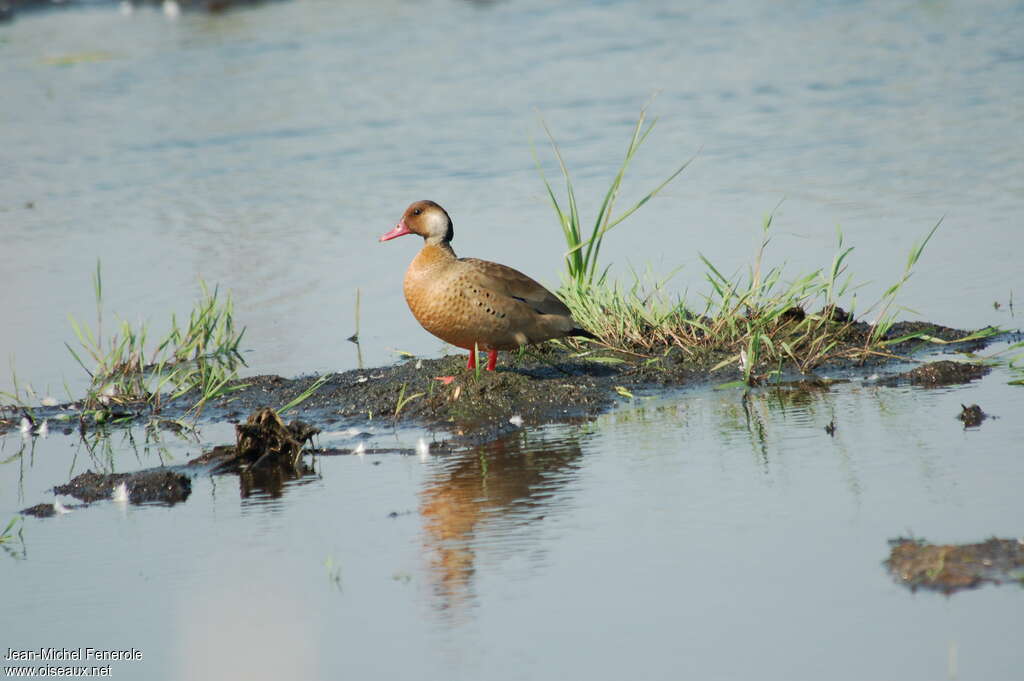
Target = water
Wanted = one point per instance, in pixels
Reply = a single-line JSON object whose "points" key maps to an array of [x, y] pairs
{"points": [[266, 149]]}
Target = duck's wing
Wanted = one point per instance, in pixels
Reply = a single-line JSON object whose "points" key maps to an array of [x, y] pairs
{"points": [[510, 283]]}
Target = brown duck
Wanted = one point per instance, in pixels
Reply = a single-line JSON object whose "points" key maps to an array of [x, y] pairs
{"points": [[468, 302]]}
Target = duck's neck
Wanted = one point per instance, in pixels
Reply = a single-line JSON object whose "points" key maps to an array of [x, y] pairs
{"points": [[425, 269], [435, 252]]}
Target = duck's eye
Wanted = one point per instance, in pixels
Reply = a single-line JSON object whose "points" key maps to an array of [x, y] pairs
{"points": [[417, 211]]}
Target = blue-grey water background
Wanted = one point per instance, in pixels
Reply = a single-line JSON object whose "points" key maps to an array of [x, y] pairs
{"points": [[265, 149]]}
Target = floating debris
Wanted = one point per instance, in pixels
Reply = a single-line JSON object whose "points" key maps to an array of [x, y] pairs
{"points": [[972, 416], [952, 567], [423, 449], [516, 421], [262, 442]]}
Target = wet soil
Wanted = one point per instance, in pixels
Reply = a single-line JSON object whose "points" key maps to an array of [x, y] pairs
{"points": [[941, 373], [474, 406], [547, 385], [48, 510], [152, 485], [952, 567]]}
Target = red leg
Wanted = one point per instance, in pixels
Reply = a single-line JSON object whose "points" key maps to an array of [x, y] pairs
{"points": [[472, 360], [492, 360]]}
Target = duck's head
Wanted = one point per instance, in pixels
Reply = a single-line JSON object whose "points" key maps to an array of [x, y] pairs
{"points": [[425, 218]]}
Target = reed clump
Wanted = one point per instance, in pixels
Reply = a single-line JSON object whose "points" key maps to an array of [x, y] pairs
{"points": [[200, 355], [758, 320]]}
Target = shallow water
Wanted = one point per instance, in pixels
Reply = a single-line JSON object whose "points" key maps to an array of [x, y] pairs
{"points": [[266, 149], [664, 538]]}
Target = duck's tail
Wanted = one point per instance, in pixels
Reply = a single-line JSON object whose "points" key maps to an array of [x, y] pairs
{"points": [[582, 333]]}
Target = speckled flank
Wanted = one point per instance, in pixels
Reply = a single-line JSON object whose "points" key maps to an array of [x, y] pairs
{"points": [[456, 301]]}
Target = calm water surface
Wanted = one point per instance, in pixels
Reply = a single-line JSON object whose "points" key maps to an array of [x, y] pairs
{"points": [[677, 536]]}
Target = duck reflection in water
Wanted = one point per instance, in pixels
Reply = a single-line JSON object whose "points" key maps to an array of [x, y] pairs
{"points": [[500, 489]]}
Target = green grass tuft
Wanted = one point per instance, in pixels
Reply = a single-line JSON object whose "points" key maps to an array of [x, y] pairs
{"points": [[581, 258], [201, 355], [757, 321]]}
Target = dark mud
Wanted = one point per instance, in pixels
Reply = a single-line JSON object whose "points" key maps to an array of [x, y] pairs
{"points": [[552, 385], [952, 567], [261, 443], [546, 385], [941, 373], [154, 485], [266, 454], [475, 406], [48, 510]]}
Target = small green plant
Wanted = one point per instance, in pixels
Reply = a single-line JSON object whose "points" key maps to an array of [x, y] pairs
{"points": [[7, 534], [624, 392], [1017, 365], [304, 395], [404, 400], [333, 569], [200, 356], [1013, 357], [581, 258], [887, 315], [9, 537], [15, 397], [354, 338]]}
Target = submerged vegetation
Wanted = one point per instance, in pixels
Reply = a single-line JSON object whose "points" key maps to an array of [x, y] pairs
{"points": [[758, 321]]}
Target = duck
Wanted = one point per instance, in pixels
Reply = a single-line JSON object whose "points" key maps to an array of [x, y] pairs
{"points": [[471, 303]]}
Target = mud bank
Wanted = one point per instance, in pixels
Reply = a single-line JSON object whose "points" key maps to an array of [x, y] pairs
{"points": [[548, 384], [154, 485]]}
